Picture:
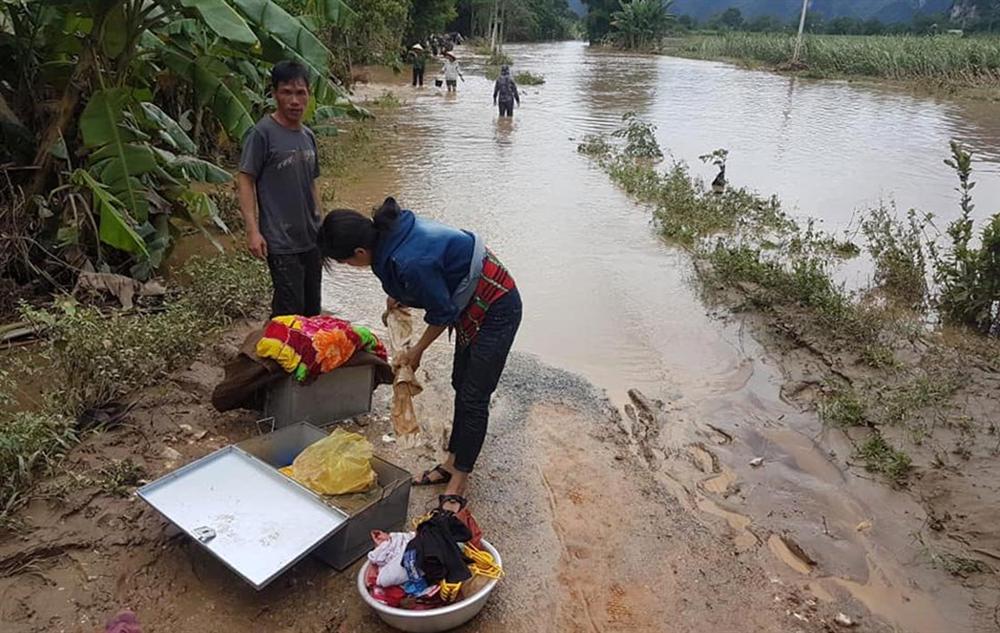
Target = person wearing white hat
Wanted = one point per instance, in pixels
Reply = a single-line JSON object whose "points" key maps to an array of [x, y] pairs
{"points": [[418, 57], [452, 72]]}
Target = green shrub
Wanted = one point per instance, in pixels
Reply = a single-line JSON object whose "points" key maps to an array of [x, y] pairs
{"points": [[967, 60], [226, 287], [595, 146], [28, 441], [897, 251], [103, 357], [640, 138], [843, 408], [969, 277], [387, 101]]}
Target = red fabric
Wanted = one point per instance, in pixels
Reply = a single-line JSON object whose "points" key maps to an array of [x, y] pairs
{"points": [[371, 576], [495, 282], [322, 342], [296, 339], [470, 522], [391, 596]]}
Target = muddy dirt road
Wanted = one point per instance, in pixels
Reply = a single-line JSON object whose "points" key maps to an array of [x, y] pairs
{"points": [[590, 541]]}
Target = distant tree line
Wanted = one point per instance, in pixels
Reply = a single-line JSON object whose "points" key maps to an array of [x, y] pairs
{"points": [[631, 24], [377, 31], [524, 20], [624, 21], [983, 16]]}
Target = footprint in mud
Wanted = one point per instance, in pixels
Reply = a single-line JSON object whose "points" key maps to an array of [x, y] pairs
{"points": [[704, 460], [618, 611], [724, 485], [790, 553]]}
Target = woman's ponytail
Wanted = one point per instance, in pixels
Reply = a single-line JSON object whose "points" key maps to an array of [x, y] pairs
{"points": [[386, 215], [345, 230]]}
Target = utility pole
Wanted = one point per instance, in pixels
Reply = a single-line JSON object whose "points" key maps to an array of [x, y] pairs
{"points": [[802, 27]]}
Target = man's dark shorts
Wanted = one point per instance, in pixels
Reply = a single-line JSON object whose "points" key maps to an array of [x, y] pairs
{"points": [[296, 279]]}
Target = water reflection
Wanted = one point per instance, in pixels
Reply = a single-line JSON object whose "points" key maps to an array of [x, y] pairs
{"points": [[504, 131], [611, 85]]}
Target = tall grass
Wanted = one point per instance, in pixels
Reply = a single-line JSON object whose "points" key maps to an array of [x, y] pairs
{"points": [[972, 60]]}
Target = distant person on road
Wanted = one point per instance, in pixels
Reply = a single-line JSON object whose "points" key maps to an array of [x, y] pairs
{"points": [[279, 201], [418, 57], [452, 72], [505, 92]]}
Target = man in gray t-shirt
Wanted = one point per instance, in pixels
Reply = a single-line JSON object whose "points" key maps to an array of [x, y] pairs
{"points": [[278, 197]]}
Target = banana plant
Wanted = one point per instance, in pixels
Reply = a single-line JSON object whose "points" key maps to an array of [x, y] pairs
{"points": [[140, 164], [114, 58]]}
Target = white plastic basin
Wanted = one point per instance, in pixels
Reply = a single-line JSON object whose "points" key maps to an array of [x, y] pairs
{"points": [[431, 620]]}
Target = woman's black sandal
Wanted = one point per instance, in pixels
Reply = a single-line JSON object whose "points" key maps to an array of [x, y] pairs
{"points": [[425, 479], [459, 499]]}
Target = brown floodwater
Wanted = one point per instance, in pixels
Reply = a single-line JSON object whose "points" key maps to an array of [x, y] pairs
{"points": [[606, 298]]}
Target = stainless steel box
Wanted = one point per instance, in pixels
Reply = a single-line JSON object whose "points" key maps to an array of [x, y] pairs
{"points": [[342, 393], [244, 512], [237, 506], [382, 509]]}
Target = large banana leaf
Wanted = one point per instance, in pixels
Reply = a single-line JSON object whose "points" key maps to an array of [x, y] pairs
{"points": [[197, 207], [198, 170], [207, 76], [116, 228], [223, 20], [212, 90], [115, 36], [116, 160], [169, 130], [330, 11], [267, 16]]}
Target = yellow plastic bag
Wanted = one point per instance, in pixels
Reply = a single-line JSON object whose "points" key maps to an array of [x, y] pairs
{"points": [[335, 465]]}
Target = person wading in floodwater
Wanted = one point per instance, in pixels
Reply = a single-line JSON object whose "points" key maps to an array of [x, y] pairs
{"points": [[279, 201], [418, 57], [452, 72], [462, 286], [505, 92]]}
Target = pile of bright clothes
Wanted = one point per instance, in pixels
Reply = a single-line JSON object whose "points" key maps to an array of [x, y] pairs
{"points": [[439, 563], [308, 346]]}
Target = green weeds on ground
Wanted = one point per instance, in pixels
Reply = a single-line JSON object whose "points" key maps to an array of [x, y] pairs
{"points": [[101, 358], [879, 456]]}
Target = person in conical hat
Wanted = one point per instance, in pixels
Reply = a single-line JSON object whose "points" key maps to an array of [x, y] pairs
{"points": [[418, 57]]}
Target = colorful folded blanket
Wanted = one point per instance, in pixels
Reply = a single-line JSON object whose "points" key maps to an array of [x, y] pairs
{"points": [[309, 346]]}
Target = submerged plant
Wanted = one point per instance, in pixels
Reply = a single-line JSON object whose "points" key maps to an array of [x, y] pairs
{"points": [[897, 249], [529, 79], [640, 138]]}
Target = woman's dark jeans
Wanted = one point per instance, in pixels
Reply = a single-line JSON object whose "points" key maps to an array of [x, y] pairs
{"points": [[475, 376]]}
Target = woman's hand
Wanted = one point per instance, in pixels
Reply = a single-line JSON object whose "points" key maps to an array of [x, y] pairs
{"points": [[391, 304], [410, 358]]}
